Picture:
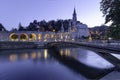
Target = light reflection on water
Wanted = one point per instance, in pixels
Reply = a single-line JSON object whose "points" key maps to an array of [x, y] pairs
{"points": [[33, 65], [45, 54], [12, 57], [40, 64], [24, 55], [87, 57]]}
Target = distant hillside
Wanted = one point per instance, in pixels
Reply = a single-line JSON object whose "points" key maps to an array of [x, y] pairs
{"points": [[99, 32]]}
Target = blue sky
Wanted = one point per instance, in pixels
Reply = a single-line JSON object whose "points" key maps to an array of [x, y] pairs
{"points": [[25, 11]]}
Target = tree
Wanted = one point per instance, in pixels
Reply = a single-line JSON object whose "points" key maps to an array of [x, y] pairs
{"points": [[2, 28], [66, 24], [111, 12], [58, 25], [20, 27]]}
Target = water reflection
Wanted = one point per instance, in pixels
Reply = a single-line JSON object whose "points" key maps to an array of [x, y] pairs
{"points": [[65, 52], [22, 55], [13, 57], [33, 65], [78, 60], [48, 64], [45, 54], [33, 55], [39, 55], [86, 57]]}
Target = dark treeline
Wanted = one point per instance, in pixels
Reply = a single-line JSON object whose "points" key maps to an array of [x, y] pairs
{"points": [[43, 26]]}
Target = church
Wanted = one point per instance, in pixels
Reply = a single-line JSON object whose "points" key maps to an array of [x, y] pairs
{"points": [[79, 28], [76, 30]]}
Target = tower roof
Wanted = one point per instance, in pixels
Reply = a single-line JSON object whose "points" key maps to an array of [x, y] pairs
{"points": [[74, 11], [74, 15]]}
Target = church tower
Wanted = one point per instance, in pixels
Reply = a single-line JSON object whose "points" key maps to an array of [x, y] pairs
{"points": [[74, 20], [74, 16]]}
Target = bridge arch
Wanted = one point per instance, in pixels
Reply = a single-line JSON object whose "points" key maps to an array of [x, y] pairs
{"points": [[13, 37], [23, 37], [39, 37], [32, 37], [60, 36], [47, 37]]}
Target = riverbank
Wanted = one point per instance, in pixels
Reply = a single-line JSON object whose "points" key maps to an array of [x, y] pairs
{"points": [[17, 45]]}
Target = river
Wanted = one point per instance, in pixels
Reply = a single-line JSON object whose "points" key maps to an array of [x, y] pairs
{"points": [[51, 64]]}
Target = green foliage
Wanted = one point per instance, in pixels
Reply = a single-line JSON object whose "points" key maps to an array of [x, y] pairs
{"points": [[114, 31], [111, 11]]}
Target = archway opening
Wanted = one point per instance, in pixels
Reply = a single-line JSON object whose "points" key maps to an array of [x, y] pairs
{"points": [[60, 36], [32, 37], [23, 37], [46, 37], [39, 37], [53, 37], [13, 37]]}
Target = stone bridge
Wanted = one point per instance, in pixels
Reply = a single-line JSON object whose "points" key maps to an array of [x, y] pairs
{"points": [[61, 44]]}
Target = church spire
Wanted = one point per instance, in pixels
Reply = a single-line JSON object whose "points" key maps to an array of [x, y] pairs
{"points": [[74, 15], [74, 11]]}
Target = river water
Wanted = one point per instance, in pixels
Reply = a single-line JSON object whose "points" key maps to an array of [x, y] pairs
{"points": [[51, 64]]}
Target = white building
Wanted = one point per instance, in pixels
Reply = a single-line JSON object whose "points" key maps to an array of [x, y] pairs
{"points": [[78, 27]]}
